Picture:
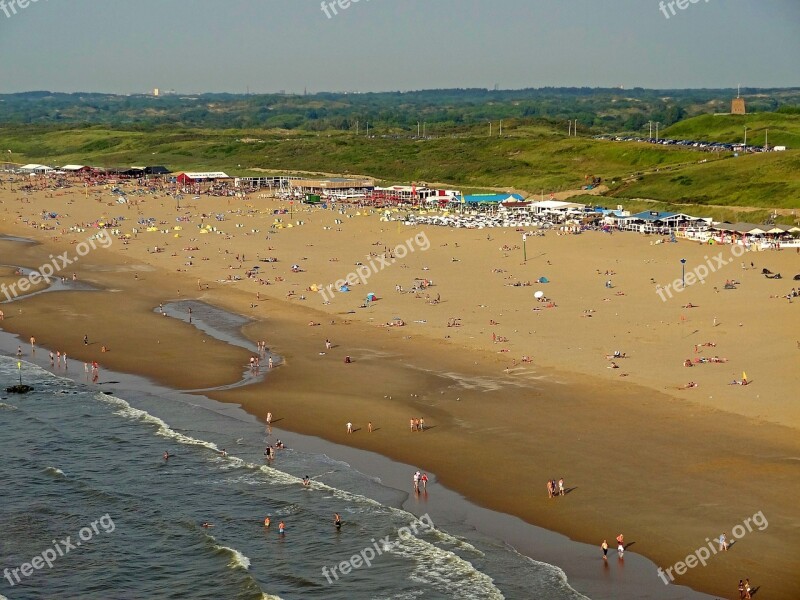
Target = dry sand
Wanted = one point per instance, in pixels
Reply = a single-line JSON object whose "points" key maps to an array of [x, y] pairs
{"points": [[669, 467]]}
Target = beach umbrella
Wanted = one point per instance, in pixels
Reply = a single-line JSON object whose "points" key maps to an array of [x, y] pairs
{"points": [[538, 295]]}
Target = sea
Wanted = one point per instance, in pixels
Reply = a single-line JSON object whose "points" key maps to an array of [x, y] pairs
{"points": [[91, 509]]}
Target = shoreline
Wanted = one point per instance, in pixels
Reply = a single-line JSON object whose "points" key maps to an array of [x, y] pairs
{"points": [[447, 509], [509, 416]]}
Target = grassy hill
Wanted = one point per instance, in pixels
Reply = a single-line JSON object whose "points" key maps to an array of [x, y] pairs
{"points": [[532, 158], [784, 129], [756, 180]]}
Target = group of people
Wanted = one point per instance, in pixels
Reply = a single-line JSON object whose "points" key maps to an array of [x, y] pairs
{"points": [[270, 450], [620, 547], [745, 592], [59, 359], [555, 488], [420, 482], [417, 424]]}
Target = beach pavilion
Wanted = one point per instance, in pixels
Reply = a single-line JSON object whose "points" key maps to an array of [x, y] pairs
{"points": [[188, 178], [557, 207], [752, 233], [658, 222], [34, 169], [485, 201], [75, 169]]}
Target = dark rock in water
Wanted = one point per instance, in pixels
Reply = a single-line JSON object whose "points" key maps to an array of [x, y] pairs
{"points": [[19, 389]]}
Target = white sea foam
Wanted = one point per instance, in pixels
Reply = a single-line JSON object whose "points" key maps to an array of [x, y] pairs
{"points": [[54, 471], [238, 560], [4, 406], [134, 414], [445, 570], [555, 571]]}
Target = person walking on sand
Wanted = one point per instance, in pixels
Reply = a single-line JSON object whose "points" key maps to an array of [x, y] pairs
{"points": [[424, 480], [269, 419], [349, 427], [723, 543], [620, 545], [604, 546], [747, 589], [369, 427], [33, 345], [741, 590], [561, 487], [328, 344], [85, 340]]}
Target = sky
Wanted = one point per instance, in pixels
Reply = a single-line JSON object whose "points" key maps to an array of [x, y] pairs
{"points": [[266, 46]]}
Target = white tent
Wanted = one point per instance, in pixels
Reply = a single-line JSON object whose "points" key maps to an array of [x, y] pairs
{"points": [[553, 206], [36, 168]]}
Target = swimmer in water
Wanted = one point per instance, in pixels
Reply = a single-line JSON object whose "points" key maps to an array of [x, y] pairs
{"points": [[337, 520], [281, 528], [206, 524], [267, 522], [166, 455], [306, 480], [223, 452]]}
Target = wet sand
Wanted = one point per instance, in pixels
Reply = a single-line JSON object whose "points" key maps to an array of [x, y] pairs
{"points": [[668, 467]]}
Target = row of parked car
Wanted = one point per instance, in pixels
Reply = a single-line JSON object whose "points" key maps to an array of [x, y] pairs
{"points": [[706, 146]]}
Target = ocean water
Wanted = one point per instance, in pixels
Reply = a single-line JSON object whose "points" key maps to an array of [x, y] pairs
{"points": [[85, 463]]}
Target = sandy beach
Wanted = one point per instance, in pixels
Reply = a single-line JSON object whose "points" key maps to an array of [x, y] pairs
{"points": [[513, 391]]}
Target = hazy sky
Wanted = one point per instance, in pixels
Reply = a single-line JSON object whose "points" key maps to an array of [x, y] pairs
{"points": [[374, 45]]}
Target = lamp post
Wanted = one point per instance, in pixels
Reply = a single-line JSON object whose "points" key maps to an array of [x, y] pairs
{"points": [[683, 272]]}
